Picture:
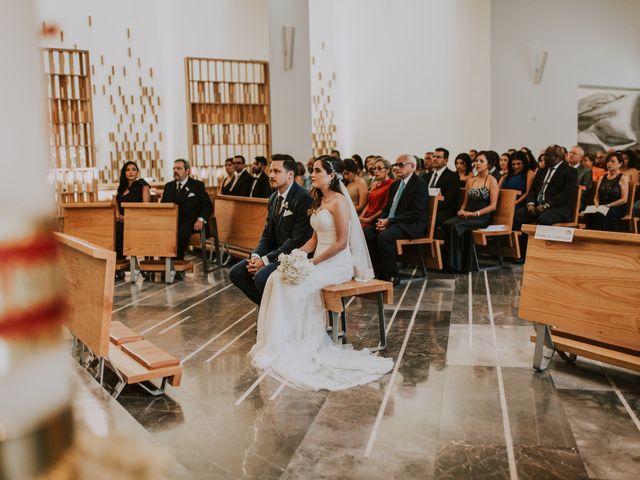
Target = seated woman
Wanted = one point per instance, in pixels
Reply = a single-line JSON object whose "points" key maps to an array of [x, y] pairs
{"points": [[531, 160], [503, 163], [480, 200], [379, 194], [356, 186], [518, 177], [464, 168], [299, 173], [596, 172], [612, 192], [131, 189], [225, 188], [630, 165]]}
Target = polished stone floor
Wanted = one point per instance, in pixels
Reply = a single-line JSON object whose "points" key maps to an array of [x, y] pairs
{"points": [[463, 401]]}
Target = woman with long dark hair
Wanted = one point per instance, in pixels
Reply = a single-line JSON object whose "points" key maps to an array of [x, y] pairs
{"points": [[292, 343], [612, 192], [464, 167], [356, 186], [518, 177], [131, 189]]}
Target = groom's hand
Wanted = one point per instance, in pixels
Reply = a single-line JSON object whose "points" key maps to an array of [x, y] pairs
{"points": [[382, 224], [254, 265]]}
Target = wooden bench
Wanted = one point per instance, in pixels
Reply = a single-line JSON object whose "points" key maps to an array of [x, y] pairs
{"points": [[575, 212], [502, 215], [239, 222], [88, 275], [151, 230], [583, 296], [94, 222], [432, 258], [334, 296], [629, 219]]}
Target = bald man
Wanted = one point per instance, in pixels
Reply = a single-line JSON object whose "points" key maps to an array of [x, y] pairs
{"points": [[585, 177], [404, 216]]}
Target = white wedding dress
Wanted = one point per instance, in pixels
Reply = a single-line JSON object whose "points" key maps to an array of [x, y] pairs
{"points": [[293, 345]]}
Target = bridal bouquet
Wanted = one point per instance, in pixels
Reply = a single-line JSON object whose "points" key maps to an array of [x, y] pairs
{"points": [[294, 267]]}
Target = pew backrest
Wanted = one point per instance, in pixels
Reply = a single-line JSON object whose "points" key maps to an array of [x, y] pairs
{"points": [[150, 229], [93, 222], [240, 221]]}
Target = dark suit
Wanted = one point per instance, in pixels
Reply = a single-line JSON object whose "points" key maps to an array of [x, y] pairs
{"points": [[585, 178], [558, 197], [282, 233], [242, 185], [409, 221], [193, 202], [260, 187], [449, 184], [226, 189]]}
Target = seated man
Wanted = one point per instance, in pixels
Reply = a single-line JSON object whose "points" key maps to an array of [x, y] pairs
{"points": [[241, 186], [287, 227], [405, 216], [194, 204], [584, 177], [260, 185], [551, 196], [447, 181]]}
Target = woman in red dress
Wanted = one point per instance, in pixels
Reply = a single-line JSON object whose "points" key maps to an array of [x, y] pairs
{"points": [[379, 194]]}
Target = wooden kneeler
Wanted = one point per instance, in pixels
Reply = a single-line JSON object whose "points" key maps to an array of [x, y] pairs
{"points": [[334, 296]]}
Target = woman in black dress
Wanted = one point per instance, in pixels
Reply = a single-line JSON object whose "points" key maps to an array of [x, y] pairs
{"points": [[612, 192], [130, 189], [480, 200]]}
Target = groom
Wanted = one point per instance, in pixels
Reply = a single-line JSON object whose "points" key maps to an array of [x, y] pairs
{"points": [[287, 228]]}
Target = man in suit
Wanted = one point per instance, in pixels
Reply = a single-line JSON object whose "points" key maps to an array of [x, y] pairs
{"points": [[404, 216], [551, 196], [447, 181], [241, 186], [585, 178], [260, 185], [194, 204], [287, 227]]}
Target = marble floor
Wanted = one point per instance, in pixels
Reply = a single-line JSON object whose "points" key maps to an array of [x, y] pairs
{"points": [[462, 402]]}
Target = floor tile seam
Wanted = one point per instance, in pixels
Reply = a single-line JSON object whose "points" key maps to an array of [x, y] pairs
{"points": [[513, 471], [390, 385], [122, 307], [618, 392]]}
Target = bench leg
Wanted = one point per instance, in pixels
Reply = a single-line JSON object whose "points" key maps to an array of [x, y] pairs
{"points": [[382, 324], [423, 267], [134, 269], [333, 320], [343, 320], [543, 339], [169, 271], [203, 251], [153, 390]]}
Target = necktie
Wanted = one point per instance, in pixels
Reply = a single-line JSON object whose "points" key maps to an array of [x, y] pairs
{"points": [[253, 185], [396, 200], [278, 207], [234, 182], [434, 179], [178, 188], [547, 179]]}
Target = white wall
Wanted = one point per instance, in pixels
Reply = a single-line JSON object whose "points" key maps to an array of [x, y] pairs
{"points": [[290, 89], [163, 33], [412, 74], [590, 42]]}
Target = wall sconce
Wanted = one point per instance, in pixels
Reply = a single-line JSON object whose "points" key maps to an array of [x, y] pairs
{"points": [[288, 34], [538, 71]]}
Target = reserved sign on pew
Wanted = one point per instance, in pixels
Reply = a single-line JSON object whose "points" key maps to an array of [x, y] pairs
{"points": [[554, 234]]}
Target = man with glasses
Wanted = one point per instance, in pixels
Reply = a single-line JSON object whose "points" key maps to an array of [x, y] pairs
{"points": [[404, 216], [241, 186], [446, 181]]}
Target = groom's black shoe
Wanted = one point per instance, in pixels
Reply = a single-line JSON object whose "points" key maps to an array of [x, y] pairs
{"points": [[394, 280]]}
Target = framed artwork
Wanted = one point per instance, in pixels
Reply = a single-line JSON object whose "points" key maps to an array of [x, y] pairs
{"points": [[608, 117]]}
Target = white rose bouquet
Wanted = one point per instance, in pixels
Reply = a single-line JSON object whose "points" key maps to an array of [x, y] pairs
{"points": [[294, 267]]}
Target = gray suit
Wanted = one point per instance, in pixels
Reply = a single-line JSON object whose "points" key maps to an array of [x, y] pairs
{"points": [[585, 178]]}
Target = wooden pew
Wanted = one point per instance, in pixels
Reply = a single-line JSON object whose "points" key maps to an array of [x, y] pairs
{"points": [[151, 230], [583, 296], [629, 219], [575, 212], [88, 276], [94, 222], [240, 221], [334, 296], [502, 215], [432, 258]]}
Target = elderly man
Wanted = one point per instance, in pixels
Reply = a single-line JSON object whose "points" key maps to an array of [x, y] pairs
{"points": [[585, 178], [404, 216]]}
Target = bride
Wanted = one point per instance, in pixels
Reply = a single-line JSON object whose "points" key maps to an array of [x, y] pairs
{"points": [[293, 345]]}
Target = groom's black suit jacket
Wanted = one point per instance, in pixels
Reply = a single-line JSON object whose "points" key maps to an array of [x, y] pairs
{"points": [[288, 231]]}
